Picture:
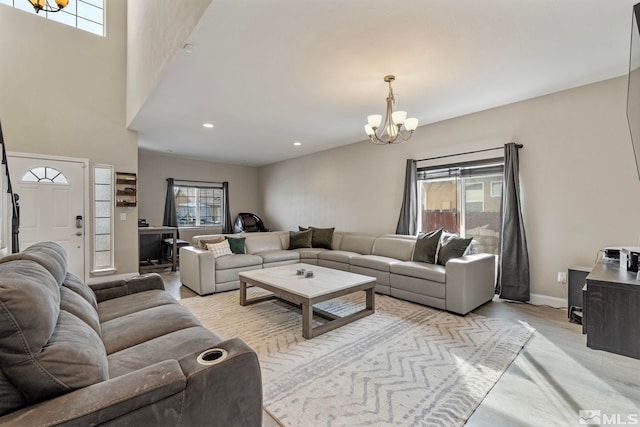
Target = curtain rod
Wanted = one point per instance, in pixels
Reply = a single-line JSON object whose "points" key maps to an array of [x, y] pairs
{"points": [[193, 180], [468, 152]]}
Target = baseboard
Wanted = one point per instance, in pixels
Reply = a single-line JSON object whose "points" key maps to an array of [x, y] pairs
{"points": [[555, 302]]}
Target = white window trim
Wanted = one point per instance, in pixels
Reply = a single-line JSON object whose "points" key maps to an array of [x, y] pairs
{"points": [[111, 269]]}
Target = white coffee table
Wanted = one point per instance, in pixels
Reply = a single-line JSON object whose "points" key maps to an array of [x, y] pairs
{"points": [[326, 284]]}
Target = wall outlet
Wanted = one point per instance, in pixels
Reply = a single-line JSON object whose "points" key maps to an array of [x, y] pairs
{"points": [[562, 277]]}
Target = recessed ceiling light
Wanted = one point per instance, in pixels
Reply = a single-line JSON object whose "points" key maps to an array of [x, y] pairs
{"points": [[208, 125], [297, 144]]}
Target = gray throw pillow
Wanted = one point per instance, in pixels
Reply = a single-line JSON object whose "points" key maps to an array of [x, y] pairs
{"points": [[236, 244], [455, 247], [427, 246], [300, 239]]}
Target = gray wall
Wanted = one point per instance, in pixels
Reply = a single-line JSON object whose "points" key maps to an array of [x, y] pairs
{"points": [[154, 170], [63, 93], [580, 187]]}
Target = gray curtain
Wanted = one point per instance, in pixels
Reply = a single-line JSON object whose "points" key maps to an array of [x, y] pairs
{"points": [[513, 269], [408, 221], [170, 218], [227, 227]]}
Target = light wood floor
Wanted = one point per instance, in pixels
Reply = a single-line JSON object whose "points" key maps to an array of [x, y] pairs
{"points": [[552, 379]]}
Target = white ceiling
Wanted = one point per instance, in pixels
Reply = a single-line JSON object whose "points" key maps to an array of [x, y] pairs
{"points": [[267, 73]]}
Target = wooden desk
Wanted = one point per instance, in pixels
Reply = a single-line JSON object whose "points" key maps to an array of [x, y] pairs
{"points": [[612, 312], [160, 231]]}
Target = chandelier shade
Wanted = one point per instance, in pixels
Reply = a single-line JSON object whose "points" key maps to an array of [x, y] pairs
{"points": [[391, 131], [39, 5]]}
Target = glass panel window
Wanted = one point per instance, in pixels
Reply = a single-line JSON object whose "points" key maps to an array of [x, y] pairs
{"points": [[45, 174], [103, 258], [198, 206], [87, 15], [496, 188], [463, 199]]}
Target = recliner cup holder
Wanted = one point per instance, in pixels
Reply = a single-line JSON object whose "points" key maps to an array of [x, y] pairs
{"points": [[212, 356]]}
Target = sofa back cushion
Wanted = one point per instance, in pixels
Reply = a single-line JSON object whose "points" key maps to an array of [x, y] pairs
{"points": [[358, 243], [50, 255], [45, 350], [71, 282], [396, 248], [257, 243]]}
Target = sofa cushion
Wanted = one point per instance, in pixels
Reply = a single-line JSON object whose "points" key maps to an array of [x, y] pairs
{"points": [[135, 328], [338, 256], [360, 244], [50, 255], [230, 276], [173, 345], [127, 304], [237, 261], [454, 248], [44, 352], [78, 286], [374, 262], [263, 242], [427, 246], [79, 307], [279, 256], [236, 244], [29, 309], [219, 249], [10, 397], [310, 253], [393, 247], [421, 270], [299, 239]]}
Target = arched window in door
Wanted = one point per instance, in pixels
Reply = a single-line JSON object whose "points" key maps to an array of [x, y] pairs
{"points": [[45, 174]]}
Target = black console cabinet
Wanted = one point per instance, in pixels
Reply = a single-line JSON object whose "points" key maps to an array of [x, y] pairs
{"points": [[612, 312]]}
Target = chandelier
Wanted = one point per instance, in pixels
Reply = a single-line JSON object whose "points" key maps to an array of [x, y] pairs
{"points": [[39, 5], [392, 127]]}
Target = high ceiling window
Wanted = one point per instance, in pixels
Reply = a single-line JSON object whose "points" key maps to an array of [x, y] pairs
{"points": [[87, 15]]}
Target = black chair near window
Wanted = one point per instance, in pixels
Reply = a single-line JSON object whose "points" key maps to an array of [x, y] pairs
{"points": [[248, 223]]}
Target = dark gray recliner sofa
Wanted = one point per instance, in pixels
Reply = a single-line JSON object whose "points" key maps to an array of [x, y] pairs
{"points": [[118, 353]]}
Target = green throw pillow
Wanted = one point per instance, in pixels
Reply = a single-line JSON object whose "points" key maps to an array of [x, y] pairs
{"points": [[320, 237], [454, 248], [427, 246], [236, 244], [300, 239]]}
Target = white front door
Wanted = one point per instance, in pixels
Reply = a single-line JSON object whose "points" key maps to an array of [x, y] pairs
{"points": [[52, 204]]}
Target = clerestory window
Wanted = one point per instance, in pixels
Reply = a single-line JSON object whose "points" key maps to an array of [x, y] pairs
{"points": [[86, 15]]}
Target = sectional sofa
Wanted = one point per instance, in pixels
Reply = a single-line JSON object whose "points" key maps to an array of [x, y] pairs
{"points": [[116, 353], [460, 286]]}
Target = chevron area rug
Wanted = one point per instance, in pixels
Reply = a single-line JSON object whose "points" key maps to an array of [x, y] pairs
{"points": [[404, 365]]}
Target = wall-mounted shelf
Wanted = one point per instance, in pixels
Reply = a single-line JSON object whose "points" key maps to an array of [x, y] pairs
{"points": [[126, 189]]}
